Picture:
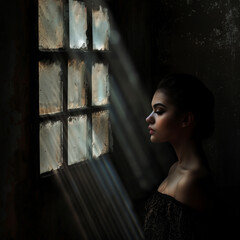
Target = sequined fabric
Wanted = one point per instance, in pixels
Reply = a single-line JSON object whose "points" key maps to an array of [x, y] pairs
{"points": [[168, 219]]}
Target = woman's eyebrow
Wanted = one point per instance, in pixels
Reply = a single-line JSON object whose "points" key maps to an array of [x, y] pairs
{"points": [[159, 104]]}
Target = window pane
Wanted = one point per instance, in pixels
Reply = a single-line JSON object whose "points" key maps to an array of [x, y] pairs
{"points": [[50, 88], [100, 134], [77, 24], [50, 21], [101, 29], [100, 84], [76, 84], [50, 146], [77, 137]]}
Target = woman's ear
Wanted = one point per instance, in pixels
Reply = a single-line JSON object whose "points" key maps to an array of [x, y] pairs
{"points": [[188, 119]]}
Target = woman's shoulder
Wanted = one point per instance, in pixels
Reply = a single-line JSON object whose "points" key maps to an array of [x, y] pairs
{"points": [[194, 188]]}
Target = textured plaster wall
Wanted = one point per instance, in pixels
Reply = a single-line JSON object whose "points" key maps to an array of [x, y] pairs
{"points": [[203, 38]]}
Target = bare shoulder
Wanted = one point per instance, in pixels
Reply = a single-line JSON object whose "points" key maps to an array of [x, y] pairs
{"points": [[194, 189]]}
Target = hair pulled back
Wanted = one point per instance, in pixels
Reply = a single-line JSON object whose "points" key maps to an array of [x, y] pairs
{"points": [[189, 94]]}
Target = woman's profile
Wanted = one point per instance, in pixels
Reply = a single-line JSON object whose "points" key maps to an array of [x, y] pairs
{"points": [[182, 116]]}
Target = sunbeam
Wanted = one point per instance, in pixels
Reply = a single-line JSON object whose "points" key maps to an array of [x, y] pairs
{"points": [[103, 96]]}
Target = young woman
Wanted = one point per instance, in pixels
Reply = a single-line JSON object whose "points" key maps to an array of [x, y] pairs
{"points": [[182, 116]]}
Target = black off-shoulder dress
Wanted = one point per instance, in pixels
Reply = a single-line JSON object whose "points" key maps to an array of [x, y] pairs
{"points": [[168, 219]]}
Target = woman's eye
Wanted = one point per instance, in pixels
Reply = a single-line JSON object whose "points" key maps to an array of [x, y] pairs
{"points": [[159, 112]]}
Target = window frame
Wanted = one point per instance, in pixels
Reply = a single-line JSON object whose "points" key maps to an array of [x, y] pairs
{"points": [[90, 57]]}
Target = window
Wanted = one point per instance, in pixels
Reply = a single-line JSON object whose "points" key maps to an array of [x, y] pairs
{"points": [[73, 79]]}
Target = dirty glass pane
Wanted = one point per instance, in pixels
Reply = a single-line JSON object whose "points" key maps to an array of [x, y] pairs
{"points": [[100, 133], [50, 22], [100, 84], [77, 24], [50, 88], [50, 146], [77, 137], [101, 29], [76, 84]]}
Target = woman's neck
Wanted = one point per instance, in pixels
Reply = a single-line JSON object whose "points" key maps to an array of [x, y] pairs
{"points": [[189, 153]]}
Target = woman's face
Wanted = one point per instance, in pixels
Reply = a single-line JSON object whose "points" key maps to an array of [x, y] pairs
{"points": [[164, 122]]}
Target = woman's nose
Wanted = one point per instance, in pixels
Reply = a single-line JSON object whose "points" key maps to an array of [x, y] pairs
{"points": [[150, 119]]}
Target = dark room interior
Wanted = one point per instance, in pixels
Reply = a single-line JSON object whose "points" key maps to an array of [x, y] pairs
{"points": [[104, 198]]}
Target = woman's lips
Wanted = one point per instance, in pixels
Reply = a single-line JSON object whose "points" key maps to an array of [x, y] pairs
{"points": [[151, 131]]}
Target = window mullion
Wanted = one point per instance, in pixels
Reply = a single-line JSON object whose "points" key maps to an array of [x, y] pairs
{"points": [[65, 84], [65, 111], [89, 104], [66, 25], [89, 78], [89, 22]]}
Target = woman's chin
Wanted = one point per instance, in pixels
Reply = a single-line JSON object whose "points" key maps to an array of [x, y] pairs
{"points": [[153, 139]]}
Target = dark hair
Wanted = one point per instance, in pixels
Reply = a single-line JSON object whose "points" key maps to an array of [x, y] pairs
{"points": [[189, 94]]}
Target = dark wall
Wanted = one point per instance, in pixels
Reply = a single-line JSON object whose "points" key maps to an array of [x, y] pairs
{"points": [[204, 39], [15, 170], [197, 37], [200, 38]]}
